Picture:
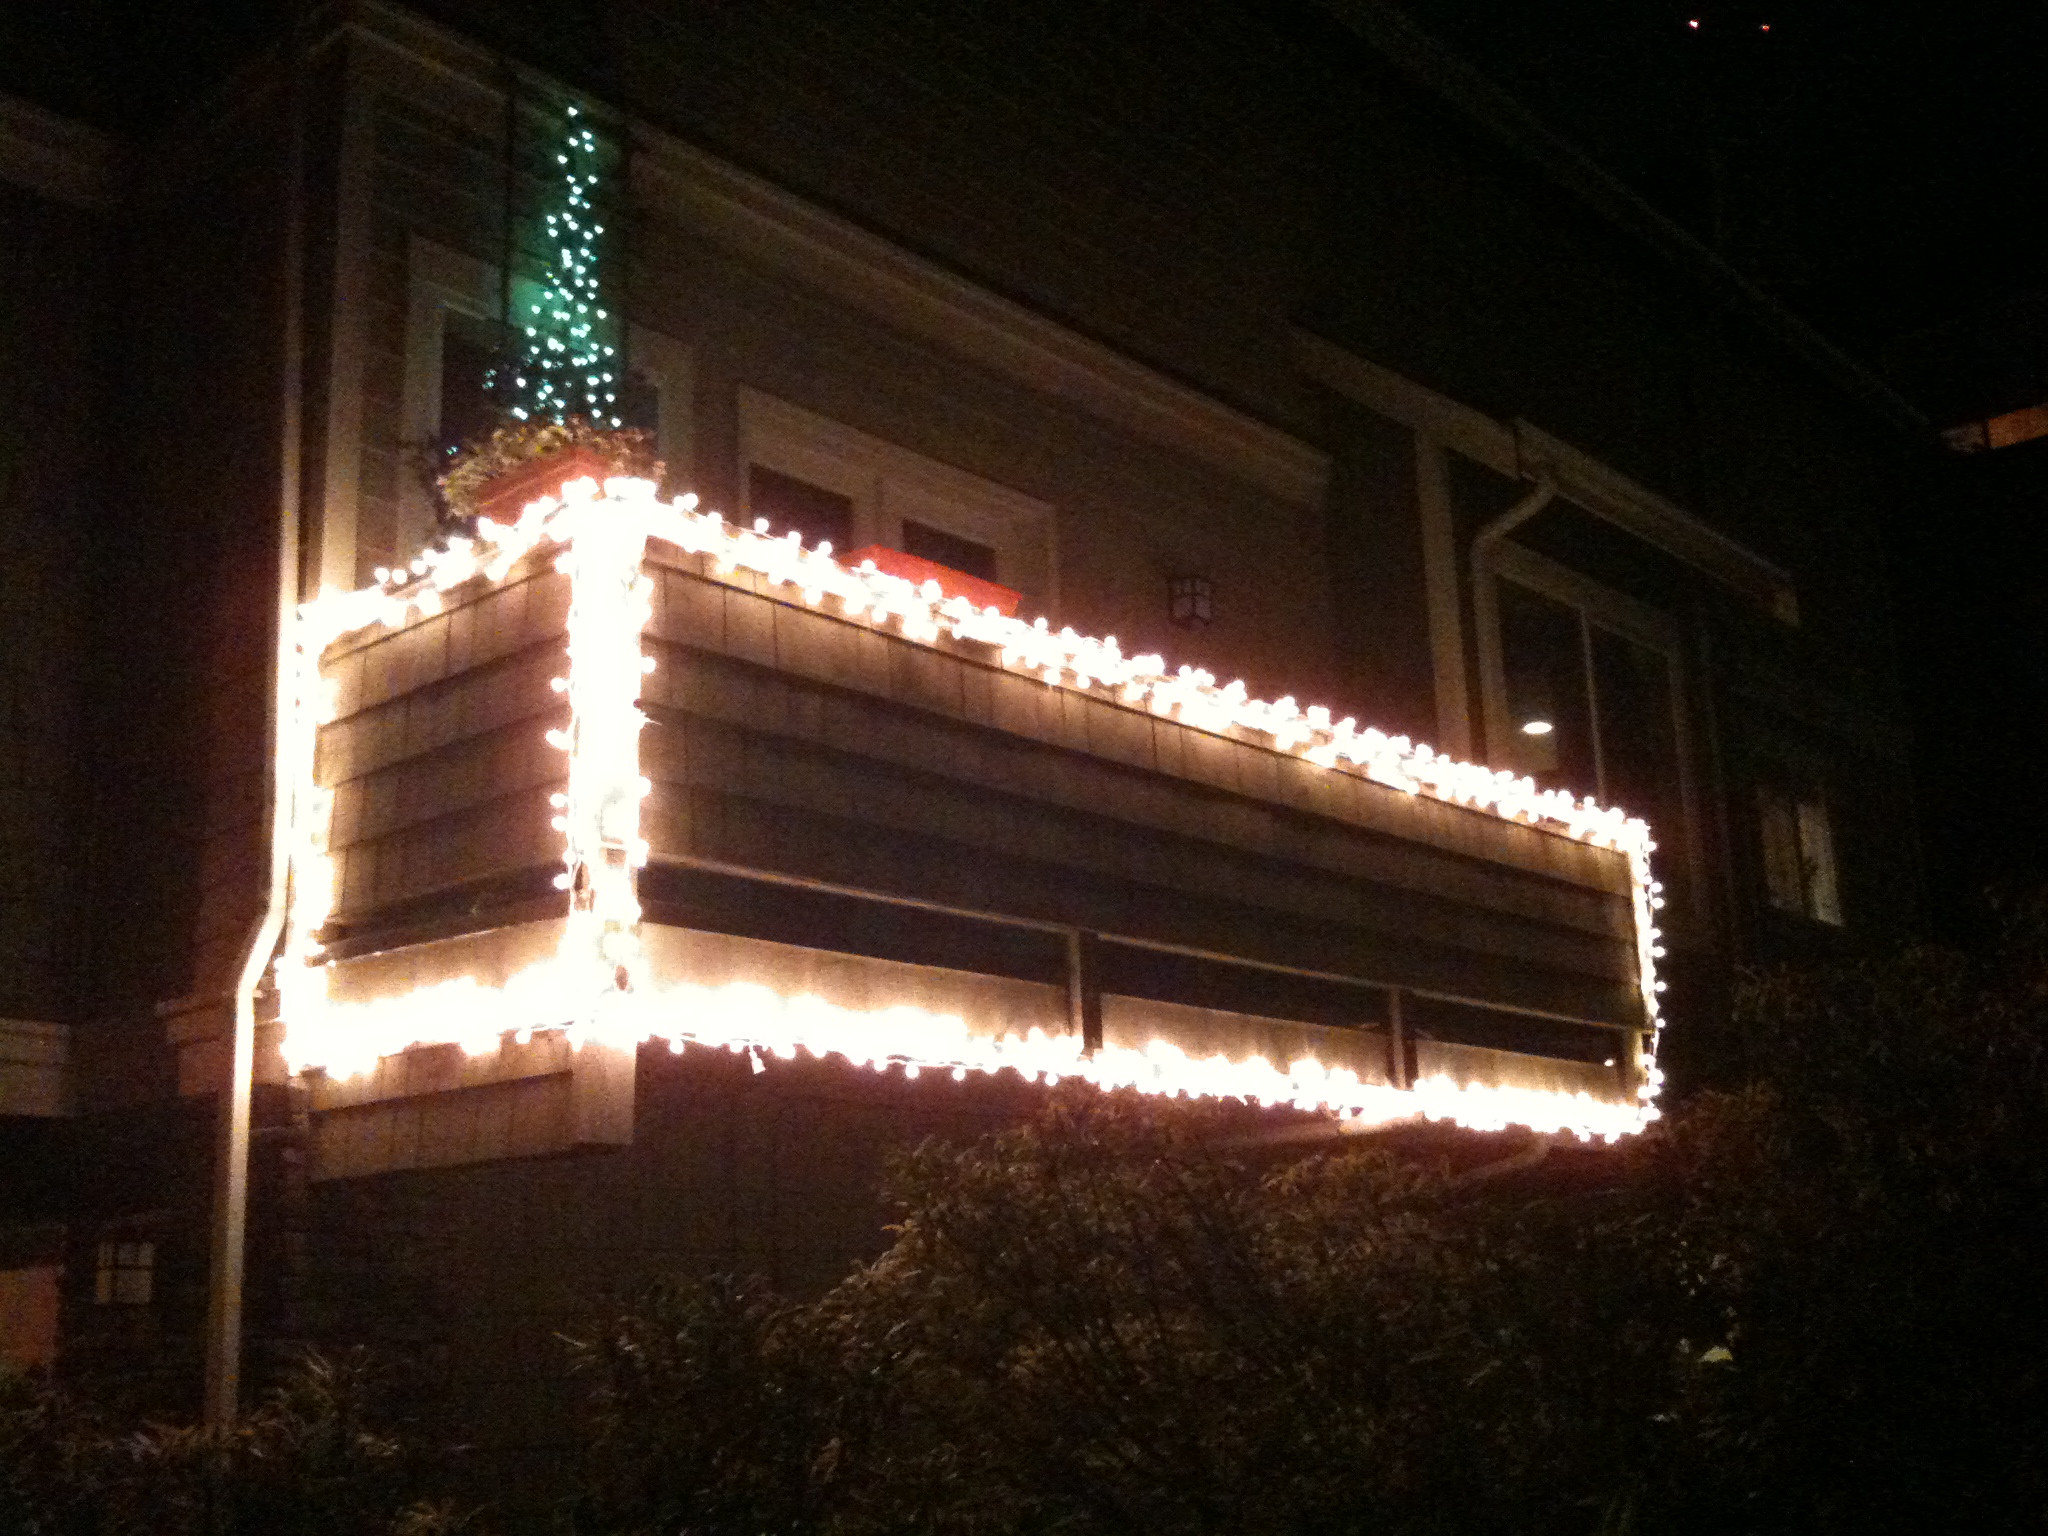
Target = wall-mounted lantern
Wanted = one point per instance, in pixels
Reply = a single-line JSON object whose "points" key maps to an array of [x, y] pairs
{"points": [[1191, 601]]}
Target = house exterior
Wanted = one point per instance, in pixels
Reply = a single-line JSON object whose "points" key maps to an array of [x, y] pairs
{"points": [[1321, 405]]}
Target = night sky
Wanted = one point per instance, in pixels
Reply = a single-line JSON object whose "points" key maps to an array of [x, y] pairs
{"points": [[1866, 164]]}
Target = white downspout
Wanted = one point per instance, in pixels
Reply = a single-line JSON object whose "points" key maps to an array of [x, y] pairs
{"points": [[231, 1160], [1486, 611]]}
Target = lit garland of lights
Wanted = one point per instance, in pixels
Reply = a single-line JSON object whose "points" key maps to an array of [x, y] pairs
{"points": [[565, 367], [597, 986], [600, 811]]}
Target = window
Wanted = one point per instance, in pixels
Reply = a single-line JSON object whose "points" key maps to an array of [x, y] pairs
{"points": [[472, 352], [817, 515], [455, 339], [1798, 853], [1589, 702], [640, 392], [828, 481], [1584, 693], [125, 1274]]}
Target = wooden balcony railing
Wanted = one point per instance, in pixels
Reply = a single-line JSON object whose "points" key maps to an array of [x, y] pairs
{"points": [[860, 815]]}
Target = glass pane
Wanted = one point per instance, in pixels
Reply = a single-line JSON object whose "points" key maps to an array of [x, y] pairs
{"points": [[949, 550], [1778, 828], [1550, 734], [640, 404], [787, 502], [1817, 857], [1638, 734], [469, 362]]}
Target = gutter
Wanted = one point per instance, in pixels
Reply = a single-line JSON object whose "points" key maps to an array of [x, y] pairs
{"points": [[1495, 529], [231, 1161]]}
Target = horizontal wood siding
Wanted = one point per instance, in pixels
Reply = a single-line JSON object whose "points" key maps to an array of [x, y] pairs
{"points": [[786, 740], [789, 742], [440, 766]]}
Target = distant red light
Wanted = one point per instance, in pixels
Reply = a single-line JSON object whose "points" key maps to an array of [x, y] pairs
{"points": [[1694, 25]]}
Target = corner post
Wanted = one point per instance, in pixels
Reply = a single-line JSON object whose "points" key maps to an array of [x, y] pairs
{"points": [[1084, 988]]}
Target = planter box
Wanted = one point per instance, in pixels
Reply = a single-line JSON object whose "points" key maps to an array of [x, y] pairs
{"points": [[506, 497], [983, 594]]}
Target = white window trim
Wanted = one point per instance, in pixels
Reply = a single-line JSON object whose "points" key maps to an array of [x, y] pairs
{"points": [[888, 484], [761, 223], [441, 280]]}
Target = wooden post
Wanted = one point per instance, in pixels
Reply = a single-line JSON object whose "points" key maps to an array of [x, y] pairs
{"points": [[601, 1094], [1397, 1041], [1628, 1062], [1084, 989]]}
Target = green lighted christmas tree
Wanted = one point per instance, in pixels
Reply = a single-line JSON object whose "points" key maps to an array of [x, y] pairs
{"points": [[560, 388], [566, 366]]}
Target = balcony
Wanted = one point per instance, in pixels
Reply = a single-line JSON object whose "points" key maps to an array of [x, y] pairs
{"points": [[861, 820]]}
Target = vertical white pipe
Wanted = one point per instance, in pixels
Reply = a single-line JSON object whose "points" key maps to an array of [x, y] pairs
{"points": [[231, 1158], [1486, 613]]}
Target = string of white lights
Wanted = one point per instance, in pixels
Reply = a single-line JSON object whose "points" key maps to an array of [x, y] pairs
{"points": [[598, 986]]}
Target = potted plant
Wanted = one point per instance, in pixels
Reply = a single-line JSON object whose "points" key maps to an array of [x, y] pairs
{"points": [[497, 476]]}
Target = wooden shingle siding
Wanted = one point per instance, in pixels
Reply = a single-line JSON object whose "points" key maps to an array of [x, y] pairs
{"points": [[440, 766], [519, 1117], [785, 739], [1202, 1032], [1058, 163]]}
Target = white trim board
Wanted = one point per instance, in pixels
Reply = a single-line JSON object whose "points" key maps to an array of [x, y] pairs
{"points": [[757, 220], [1415, 406], [1525, 452], [1609, 494]]}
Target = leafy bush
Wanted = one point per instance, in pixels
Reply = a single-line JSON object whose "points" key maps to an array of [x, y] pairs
{"points": [[1811, 1304], [307, 1461]]}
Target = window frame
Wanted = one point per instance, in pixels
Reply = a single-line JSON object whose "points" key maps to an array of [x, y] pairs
{"points": [[119, 1263], [1805, 802], [888, 485], [441, 281]]}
